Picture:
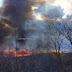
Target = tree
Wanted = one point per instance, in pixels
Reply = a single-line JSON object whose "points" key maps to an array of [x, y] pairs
{"points": [[55, 40], [65, 28]]}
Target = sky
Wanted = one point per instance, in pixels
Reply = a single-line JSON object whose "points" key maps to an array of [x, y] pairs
{"points": [[1, 2], [31, 18]]}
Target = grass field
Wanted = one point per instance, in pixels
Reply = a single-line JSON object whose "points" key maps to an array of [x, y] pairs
{"points": [[49, 62]]}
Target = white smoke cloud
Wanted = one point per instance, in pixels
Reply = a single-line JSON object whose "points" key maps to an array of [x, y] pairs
{"points": [[50, 11], [66, 5], [56, 8]]}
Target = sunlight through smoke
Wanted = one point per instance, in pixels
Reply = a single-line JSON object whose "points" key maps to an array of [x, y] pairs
{"points": [[34, 7], [38, 16]]}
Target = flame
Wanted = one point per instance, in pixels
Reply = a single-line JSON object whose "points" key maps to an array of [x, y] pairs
{"points": [[20, 55], [10, 50], [54, 51], [24, 52]]}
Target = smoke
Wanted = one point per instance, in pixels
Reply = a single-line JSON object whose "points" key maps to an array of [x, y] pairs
{"points": [[37, 30], [18, 12], [59, 5], [53, 9], [5, 30], [34, 28], [66, 5]]}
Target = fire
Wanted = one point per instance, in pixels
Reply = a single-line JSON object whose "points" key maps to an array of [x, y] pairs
{"points": [[14, 53], [20, 55], [54, 51], [9, 50], [23, 52]]}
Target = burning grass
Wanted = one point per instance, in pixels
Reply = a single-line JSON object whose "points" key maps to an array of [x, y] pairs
{"points": [[43, 62], [25, 52]]}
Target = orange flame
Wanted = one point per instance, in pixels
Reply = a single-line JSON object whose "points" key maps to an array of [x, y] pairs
{"points": [[22, 52], [20, 55]]}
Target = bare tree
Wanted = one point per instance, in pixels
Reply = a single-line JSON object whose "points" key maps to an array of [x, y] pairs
{"points": [[55, 41], [65, 28]]}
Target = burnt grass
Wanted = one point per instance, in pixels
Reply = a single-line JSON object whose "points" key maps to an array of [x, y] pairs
{"points": [[49, 62]]}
